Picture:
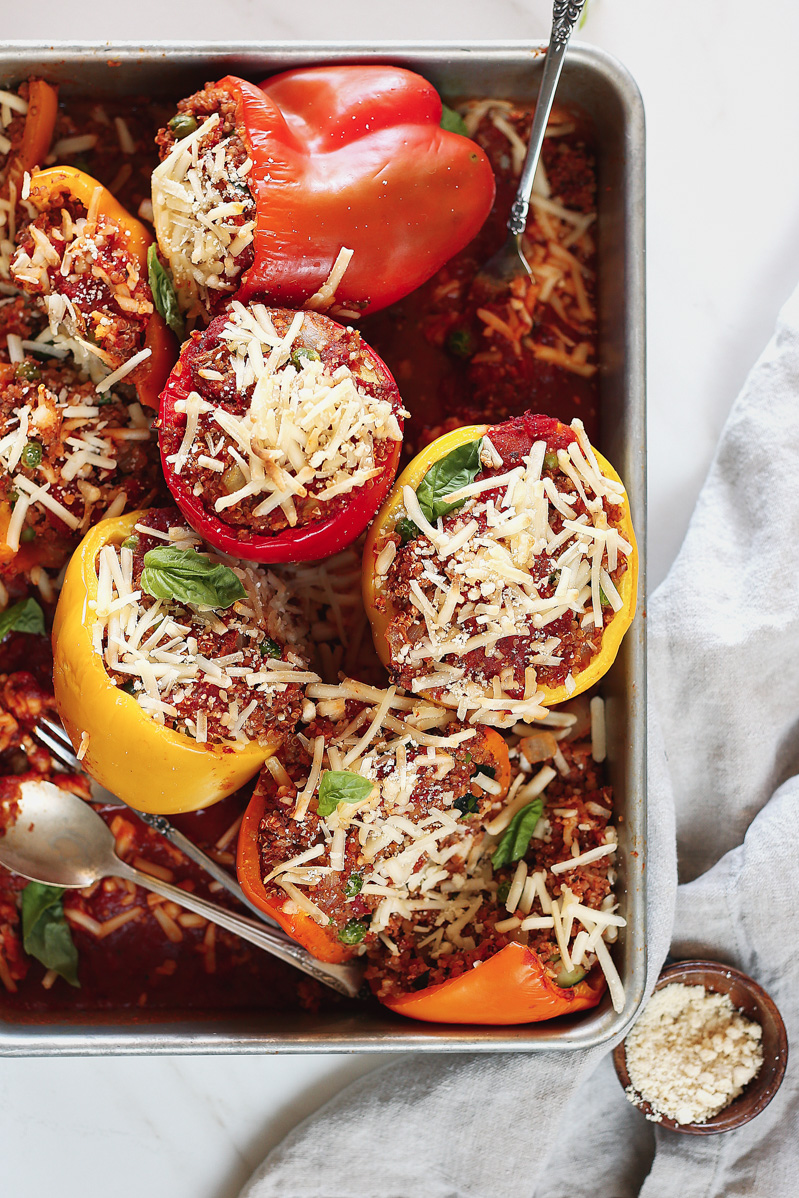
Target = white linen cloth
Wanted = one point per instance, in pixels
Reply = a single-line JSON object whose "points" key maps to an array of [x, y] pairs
{"points": [[724, 756]]}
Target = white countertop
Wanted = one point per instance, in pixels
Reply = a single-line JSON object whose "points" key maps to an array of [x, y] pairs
{"points": [[723, 215]]}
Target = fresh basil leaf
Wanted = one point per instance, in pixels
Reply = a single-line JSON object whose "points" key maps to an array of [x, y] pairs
{"points": [[45, 932], [164, 294], [466, 804], [459, 468], [341, 786], [452, 121], [516, 838], [189, 577], [25, 616]]}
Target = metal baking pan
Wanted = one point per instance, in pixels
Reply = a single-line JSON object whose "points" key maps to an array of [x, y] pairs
{"points": [[602, 88]]}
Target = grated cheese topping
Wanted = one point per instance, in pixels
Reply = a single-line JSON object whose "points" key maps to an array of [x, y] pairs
{"points": [[89, 282], [206, 673], [204, 215], [61, 442], [424, 866], [506, 577], [310, 433]]}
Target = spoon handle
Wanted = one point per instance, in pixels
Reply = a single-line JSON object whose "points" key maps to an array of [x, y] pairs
{"points": [[160, 824], [346, 979], [565, 15]]}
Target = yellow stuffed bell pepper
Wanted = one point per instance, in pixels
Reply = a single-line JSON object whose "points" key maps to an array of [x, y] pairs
{"points": [[49, 190], [139, 760], [513, 440]]}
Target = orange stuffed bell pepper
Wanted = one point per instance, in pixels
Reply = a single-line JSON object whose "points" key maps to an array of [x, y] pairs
{"points": [[332, 920], [113, 722], [532, 530], [324, 168], [93, 277], [510, 987], [30, 134]]}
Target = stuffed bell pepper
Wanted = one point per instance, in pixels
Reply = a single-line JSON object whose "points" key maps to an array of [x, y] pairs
{"points": [[280, 433], [86, 260], [325, 185], [501, 573], [176, 675], [27, 122], [68, 456], [476, 881], [330, 828]]}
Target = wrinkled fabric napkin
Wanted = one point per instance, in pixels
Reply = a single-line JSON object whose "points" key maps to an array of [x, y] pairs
{"points": [[724, 759]]}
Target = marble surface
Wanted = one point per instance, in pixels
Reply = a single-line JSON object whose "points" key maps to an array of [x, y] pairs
{"points": [[723, 254]]}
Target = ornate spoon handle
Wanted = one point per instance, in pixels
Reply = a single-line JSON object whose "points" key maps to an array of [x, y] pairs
{"points": [[565, 15]]}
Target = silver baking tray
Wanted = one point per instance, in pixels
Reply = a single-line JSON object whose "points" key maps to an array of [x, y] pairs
{"points": [[602, 88]]}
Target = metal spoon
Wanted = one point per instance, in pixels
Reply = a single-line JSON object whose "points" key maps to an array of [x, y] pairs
{"points": [[509, 262], [54, 837]]}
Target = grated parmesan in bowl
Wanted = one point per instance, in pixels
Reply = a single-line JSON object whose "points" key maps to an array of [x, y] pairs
{"points": [[708, 1051]]}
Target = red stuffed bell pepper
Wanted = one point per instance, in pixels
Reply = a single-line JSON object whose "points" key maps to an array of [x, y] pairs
{"points": [[315, 163], [280, 434], [86, 258]]}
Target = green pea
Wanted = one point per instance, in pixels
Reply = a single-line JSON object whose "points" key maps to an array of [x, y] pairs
{"points": [[302, 354], [551, 460], [32, 454], [353, 932], [353, 885], [27, 535], [270, 648], [406, 530], [459, 343], [183, 124], [28, 371]]}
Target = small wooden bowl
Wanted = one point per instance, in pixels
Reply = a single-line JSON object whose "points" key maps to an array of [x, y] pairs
{"points": [[749, 998]]}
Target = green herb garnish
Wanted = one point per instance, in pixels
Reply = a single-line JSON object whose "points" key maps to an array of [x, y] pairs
{"points": [[459, 343], [466, 804], [503, 890], [457, 469], [164, 295], [189, 577], [421, 982], [406, 530], [270, 648], [25, 616], [341, 786], [45, 931], [353, 932], [516, 838], [603, 599], [353, 885], [130, 543], [452, 121]]}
